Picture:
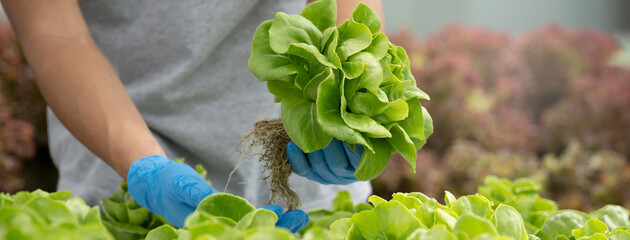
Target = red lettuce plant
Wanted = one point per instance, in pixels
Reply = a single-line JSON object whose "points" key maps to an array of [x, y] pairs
{"points": [[22, 113], [553, 57], [595, 112], [474, 95]]}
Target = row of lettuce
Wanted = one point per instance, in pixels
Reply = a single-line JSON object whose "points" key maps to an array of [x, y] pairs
{"points": [[501, 209]]}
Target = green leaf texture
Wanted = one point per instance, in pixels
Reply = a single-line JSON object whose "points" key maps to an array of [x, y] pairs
{"points": [[347, 82]]}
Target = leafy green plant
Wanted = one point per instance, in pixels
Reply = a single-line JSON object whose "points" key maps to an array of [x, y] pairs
{"points": [[40, 215], [609, 222], [467, 164], [416, 216], [125, 218], [580, 178], [347, 82], [342, 207], [522, 194], [502, 209], [225, 216]]}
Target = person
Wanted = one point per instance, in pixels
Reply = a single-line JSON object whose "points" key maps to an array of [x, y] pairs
{"points": [[133, 84]]}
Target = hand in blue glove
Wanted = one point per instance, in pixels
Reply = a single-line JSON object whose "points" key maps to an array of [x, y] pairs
{"points": [[167, 188], [293, 220], [174, 190], [334, 164]]}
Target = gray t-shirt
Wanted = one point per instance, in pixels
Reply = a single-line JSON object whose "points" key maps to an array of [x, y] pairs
{"points": [[184, 64]]}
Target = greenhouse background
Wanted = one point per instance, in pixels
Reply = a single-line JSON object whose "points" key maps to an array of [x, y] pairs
{"points": [[512, 16], [535, 89]]}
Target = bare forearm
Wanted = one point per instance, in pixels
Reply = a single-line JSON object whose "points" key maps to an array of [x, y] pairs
{"points": [[79, 84], [85, 93], [345, 8]]}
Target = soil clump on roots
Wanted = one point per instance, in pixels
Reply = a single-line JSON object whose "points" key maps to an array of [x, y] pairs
{"points": [[268, 141]]}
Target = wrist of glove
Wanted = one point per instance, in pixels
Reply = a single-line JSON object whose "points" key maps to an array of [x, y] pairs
{"points": [[334, 164], [174, 190]]}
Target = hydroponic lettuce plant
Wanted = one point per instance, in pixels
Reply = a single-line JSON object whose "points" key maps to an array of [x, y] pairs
{"points": [[502, 209], [347, 82], [522, 194], [342, 207], [40, 215], [225, 216], [125, 218]]}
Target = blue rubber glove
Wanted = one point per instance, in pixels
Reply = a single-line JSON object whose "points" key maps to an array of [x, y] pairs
{"points": [[334, 164], [167, 188], [293, 220]]}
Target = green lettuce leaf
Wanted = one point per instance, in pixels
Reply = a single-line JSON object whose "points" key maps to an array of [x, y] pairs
{"points": [[287, 29], [366, 16], [225, 205], [322, 13]]}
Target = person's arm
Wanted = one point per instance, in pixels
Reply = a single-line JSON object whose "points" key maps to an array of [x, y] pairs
{"points": [[78, 82], [84, 91], [345, 8]]}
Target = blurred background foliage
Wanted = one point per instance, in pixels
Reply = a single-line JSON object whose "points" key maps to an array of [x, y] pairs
{"points": [[24, 159], [549, 102], [546, 104]]}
